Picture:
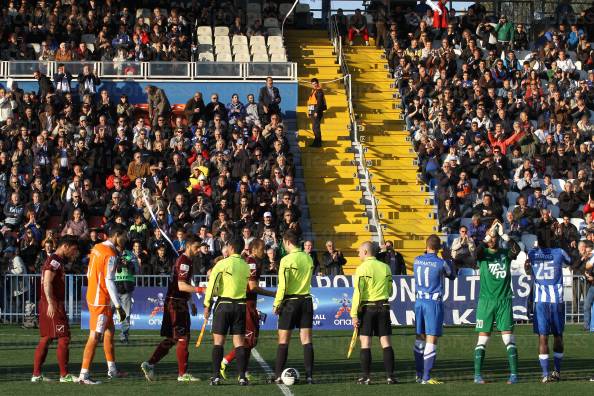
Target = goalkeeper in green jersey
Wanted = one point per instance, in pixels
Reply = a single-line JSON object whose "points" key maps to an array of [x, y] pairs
{"points": [[495, 298]]}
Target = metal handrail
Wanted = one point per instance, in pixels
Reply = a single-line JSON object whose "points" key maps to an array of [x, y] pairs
{"points": [[338, 49]]}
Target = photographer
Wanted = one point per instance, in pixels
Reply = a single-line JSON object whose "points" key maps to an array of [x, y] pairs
{"points": [[126, 269]]}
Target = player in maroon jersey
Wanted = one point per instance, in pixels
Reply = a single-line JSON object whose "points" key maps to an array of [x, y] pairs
{"points": [[175, 326], [252, 323], [53, 321]]}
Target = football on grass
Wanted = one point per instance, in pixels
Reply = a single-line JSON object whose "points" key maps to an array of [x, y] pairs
{"points": [[290, 376]]}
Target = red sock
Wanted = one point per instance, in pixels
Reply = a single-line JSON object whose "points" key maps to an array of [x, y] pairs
{"points": [[40, 355], [182, 355], [230, 356], [62, 354], [162, 350]]}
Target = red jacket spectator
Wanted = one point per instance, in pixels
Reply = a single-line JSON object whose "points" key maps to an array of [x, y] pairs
{"points": [[124, 178], [504, 144], [440, 21]]}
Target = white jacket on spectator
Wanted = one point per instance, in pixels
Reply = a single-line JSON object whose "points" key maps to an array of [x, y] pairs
{"points": [[6, 108], [463, 250], [566, 65]]}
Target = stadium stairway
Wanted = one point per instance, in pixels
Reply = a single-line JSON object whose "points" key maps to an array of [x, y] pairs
{"points": [[406, 209], [334, 197]]}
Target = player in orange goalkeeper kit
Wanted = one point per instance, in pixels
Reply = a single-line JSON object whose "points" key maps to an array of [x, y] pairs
{"points": [[101, 294]]}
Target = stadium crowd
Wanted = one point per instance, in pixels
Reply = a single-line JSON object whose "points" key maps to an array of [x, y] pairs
{"points": [[65, 31], [502, 123]]}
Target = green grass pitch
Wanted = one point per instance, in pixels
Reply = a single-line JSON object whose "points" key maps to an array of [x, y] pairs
{"points": [[335, 375]]}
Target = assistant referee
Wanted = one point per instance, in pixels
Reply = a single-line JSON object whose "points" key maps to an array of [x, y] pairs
{"points": [[228, 280], [371, 311], [293, 304]]}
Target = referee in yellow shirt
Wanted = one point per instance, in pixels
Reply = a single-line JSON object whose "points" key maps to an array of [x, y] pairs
{"points": [[228, 280], [371, 311], [293, 304]]}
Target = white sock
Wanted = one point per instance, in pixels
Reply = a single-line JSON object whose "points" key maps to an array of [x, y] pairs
{"points": [[225, 361], [111, 367], [84, 373], [429, 349]]}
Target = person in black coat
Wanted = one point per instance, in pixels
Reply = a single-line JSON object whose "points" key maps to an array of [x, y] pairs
{"points": [[393, 259], [268, 101], [45, 85], [316, 105]]}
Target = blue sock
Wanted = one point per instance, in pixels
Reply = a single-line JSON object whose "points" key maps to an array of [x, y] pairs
{"points": [[557, 358], [418, 351], [544, 363], [429, 359]]}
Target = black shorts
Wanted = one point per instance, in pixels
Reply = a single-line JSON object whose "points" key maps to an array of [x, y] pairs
{"points": [[229, 318], [176, 320], [296, 313], [375, 320]]}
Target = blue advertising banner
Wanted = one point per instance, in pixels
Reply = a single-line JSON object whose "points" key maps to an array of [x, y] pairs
{"points": [[332, 303]]}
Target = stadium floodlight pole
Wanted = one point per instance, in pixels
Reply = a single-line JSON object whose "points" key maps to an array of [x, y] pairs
{"points": [[287, 16]]}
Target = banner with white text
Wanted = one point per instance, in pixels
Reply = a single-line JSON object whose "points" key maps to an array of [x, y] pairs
{"points": [[332, 303]]}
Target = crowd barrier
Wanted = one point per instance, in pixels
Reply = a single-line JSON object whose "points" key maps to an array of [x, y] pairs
{"points": [[149, 71], [20, 293]]}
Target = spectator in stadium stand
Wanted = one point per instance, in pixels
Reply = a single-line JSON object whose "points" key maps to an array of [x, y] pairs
{"points": [[195, 108], [158, 104], [332, 261], [269, 100], [589, 297], [342, 22], [358, 27], [316, 105], [308, 247], [392, 258]]}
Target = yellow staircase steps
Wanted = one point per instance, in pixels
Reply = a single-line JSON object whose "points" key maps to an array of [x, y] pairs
{"points": [[405, 207], [335, 202]]}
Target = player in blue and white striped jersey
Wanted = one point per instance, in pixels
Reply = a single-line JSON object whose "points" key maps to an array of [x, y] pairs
{"points": [[429, 273], [546, 265]]}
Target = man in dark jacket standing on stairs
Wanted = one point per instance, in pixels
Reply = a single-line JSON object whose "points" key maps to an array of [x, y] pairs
{"points": [[316, 105]]}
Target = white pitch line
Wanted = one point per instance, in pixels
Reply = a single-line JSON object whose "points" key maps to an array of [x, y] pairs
{"points": [[284, 388]]}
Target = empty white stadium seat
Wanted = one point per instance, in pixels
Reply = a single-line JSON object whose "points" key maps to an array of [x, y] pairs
{"points": [[221, 31], [258, 49], [205, 40], [272, 40], [204, 31], [220, 49], [278, 58], [241, 49], [260, 57], [242, 57], [91, 47], [224, 57], [237, 39], [257, 41]]}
